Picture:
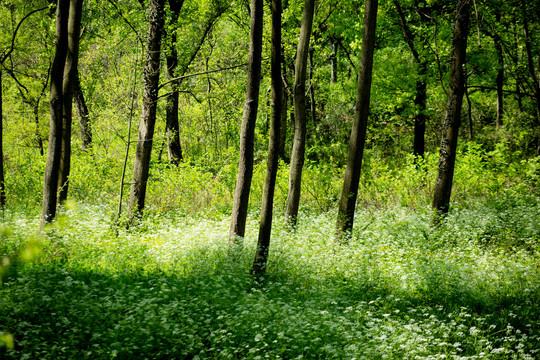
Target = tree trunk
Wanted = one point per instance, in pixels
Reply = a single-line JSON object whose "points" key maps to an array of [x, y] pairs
{"points": [[52, 165], [265, 228], [70, 75], [249, 117], [312, 106], [84, 114], [174, 147], [447, 157], [530, 62], [499, 80], [299, 141], [283, 127], [420, 118], [469, 112], [421, 87], [141, 166], [2, 183], [349, 193]]}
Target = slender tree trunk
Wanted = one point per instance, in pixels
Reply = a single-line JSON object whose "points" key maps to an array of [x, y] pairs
{"points": [[469, 112], [141, 166], [420, 117], [283, 127], [499, 80], [447, 157], [39, 139], [2, 183], [351, 180], [265, 228], [249, 117], [312, 106], [530, 61], [299, 142], [174, 148], [421, 86], [84, 114], [70, 75], [52, 165]]}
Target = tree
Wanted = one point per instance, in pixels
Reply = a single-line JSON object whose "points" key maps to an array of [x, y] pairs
{"points": [[421, 86], [70, 77], [265, 228], [349, 193], [530, 62], [173, 129], [2, 181], [300, 121], [84, 115], [249, 117], [452, 120], [141, 166], [52, 165]]}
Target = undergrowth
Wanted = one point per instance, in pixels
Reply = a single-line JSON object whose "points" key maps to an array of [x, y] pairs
{"points": [[400, 289]]}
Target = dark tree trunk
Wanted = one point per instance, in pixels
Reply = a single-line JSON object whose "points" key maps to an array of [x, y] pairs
{"points": [[447, 157], [421, 87], [141, 166], [299, 141], [469, 112], [351, 180], [420, 118], [84, 114], [249, 117], [174, 148], [312, 106], [530, 61], [499, 80], [2, 183], [265, 229], [283, 127], [52, 165], [70, 75]]}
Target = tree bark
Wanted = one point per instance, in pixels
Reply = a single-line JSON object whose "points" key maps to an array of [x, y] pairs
{"points": [[265, 228], [70, 76], [284, 126], [174, 147], [499, 80], [312, 105], [421, 86], [299, 141], [141, 166], [84, 115], [2, 182], [349, 193], [530, 61], [249, 117], [452, 121], [52, 165]]}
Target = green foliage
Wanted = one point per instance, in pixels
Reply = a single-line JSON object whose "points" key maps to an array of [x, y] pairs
{"points": [[400, 289]]}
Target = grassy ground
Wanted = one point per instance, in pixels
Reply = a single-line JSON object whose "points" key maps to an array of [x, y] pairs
{"points": [[400, 289]]}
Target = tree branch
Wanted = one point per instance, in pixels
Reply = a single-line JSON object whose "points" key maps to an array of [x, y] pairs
{"points": [[200, 73]]}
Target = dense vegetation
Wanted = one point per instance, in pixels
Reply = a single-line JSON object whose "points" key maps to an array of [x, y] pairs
{"points": [[168, 286]]}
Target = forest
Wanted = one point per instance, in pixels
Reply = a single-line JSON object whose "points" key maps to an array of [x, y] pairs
{"points": [[269, 179]]}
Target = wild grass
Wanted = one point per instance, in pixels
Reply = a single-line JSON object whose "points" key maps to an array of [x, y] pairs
{"points": [[400, 289]]}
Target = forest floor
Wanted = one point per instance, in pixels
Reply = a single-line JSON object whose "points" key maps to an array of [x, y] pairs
{"points": [[167, 289]]}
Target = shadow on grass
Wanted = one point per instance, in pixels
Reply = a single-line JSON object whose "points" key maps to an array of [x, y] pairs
{"points": [[59, 313]]}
